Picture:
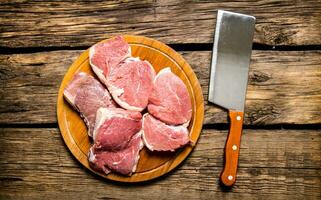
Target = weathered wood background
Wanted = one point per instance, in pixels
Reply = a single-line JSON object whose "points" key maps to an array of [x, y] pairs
{"points": [[69, 23], [281, 144]]}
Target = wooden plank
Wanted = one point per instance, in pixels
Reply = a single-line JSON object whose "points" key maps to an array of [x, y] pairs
{"points": [[61, 23], [284, 87], [274, 164]]}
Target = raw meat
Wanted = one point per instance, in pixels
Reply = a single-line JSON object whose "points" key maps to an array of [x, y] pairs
{"points": [[131, 83], [170, 101], [129, 80], [159, 136], [87, 95], [104, 56], [123, 161], [115, 127]]}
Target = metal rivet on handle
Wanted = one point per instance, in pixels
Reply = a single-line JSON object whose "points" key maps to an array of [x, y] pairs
{"points": [[230, 177], [238, 118], [234, 147]]}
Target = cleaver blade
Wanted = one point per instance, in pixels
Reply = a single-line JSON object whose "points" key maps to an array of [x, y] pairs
{"points": [[231, 59]]}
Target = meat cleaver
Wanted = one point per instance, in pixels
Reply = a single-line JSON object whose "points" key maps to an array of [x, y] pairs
{"points": [[228, 80]]}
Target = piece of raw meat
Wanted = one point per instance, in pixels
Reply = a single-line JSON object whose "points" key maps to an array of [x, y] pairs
{"points": [[87, 95], [170, 101], [130, 83], [104, 56], [115, 127], [159, 136], [123, 161], [129, 80]]}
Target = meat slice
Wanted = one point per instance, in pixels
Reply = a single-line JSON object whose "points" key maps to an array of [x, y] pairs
{"points": [[170, 101], [86, 95], [123, 161], [115, 127], [131, 83], [128, 79], [104, 56], [159, 136]]}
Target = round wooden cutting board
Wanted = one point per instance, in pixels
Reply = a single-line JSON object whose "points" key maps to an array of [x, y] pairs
{"points": [[151, 164]]}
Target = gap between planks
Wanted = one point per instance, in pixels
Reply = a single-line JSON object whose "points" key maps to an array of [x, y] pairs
{"points": [[221, 126], [176, 47]]}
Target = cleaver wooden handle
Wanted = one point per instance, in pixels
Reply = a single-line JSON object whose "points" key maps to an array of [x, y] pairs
{"points": [[232, 148]]}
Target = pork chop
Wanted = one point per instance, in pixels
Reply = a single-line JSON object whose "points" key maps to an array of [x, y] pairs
{"points": [[103, 57], [129, 80], [123, 161], [115, 127], [87, 95], [170, 101], [158, 136], [131, 83]]}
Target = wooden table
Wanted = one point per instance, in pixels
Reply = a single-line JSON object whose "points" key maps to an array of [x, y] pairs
{"points": [[281, 143]]}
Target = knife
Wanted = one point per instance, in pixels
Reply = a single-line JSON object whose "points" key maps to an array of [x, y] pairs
{"points": [[228, 80]]}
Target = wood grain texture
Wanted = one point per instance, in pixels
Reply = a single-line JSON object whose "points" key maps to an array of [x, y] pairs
{"points": [[68, 23], [284, 87], [274, 164], [150, 165]]}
